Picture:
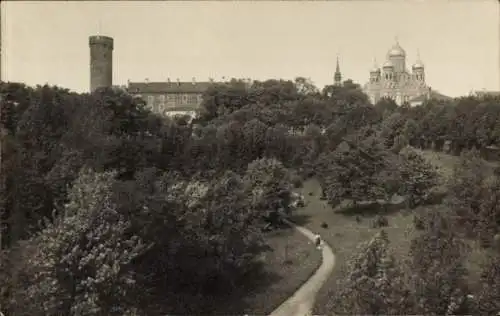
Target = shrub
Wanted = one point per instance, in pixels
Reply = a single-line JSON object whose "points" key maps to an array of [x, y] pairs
{"points": [[297, 181], [380, 221], [418, 222]]}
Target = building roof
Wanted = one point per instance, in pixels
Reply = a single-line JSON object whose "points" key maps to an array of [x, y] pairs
{"points": [[439, 96], [396, 50], [420, 98], [418, 64], [184, 108], [487, 93], [168, 87], [387, 64], [433, 95]]}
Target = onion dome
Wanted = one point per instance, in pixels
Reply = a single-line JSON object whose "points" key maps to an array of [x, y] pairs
{"points": [[418, 64], [388, 64], [396, 51]]}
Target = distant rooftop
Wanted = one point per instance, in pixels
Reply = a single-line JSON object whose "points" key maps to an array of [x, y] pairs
{"points": [[484, 93], [168, 87], [433, 95]]}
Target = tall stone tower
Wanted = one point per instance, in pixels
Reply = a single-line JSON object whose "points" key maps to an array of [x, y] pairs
{"points": [[101, 62]]}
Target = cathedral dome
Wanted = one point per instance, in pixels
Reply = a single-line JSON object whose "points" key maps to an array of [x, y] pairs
{"points": [[388, 64], [396, 51], [375, 69]]}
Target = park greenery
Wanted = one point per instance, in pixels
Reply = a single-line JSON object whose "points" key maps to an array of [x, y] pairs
{"points": [[108, 208]]}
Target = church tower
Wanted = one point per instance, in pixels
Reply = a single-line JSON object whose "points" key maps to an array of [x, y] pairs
{"points": [[397, 56], [418, 70], [101, 62], [338, 76]]}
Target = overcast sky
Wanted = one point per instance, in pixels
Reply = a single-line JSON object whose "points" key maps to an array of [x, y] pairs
{"points": [[47, 42]]}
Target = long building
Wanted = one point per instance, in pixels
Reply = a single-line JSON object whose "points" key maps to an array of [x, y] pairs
{"points": [[170, 98]]}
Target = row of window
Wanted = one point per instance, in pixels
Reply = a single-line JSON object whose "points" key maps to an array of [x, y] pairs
{"points": [[173, 99], [403, 98]]}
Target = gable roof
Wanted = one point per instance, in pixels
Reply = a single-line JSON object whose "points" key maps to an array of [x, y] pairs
{"points": [[168, 87]]}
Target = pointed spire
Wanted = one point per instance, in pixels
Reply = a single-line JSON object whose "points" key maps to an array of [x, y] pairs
{"points": [[338, 76], [418, 63], [375, 67]]}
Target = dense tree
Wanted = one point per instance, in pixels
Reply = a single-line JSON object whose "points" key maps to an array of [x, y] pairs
{"points": [[205, 189], [374, 283], [271, 188], [386, 106], [418, 177], [466, 191], [488, 297], [353, 172], [438, 269], [80, 263]]}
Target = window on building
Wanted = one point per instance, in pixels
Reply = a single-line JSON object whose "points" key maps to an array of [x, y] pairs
{"points": [[161, 100], [151, 101], [192, 99], [170, 99], [184, 98]]}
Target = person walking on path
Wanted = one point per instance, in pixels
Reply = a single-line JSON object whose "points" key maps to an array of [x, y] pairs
{"points": [[317, 241]]}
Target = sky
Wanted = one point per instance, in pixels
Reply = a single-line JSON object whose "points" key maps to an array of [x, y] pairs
{"points": [[47, 42]]}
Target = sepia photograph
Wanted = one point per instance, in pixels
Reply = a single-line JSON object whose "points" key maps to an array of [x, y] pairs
{"points": [[281, 158]]}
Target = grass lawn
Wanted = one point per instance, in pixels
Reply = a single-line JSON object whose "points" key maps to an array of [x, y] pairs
{"points": [[289, 262], [345, 234]]}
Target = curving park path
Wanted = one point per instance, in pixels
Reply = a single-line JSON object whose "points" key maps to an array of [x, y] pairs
{"points": [[301, 303]]}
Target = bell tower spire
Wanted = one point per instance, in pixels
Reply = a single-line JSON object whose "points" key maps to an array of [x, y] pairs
{"points": [[338, 76]]}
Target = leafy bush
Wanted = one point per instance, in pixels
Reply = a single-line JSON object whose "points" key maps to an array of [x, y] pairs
{"points": [[380, 221], [80, 263]]}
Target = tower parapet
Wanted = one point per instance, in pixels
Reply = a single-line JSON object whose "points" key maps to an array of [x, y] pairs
{"points": [[101, 62]]}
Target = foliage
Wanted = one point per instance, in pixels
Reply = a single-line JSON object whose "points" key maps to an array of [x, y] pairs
{"points": [[197, 192], [271, 188], [386, 106], [80, 263], [468, 190], [358, 171], [488, 297], [437, 269], [374, 283], [418, 177]]}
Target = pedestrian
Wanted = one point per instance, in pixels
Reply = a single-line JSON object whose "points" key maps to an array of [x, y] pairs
{"points": [[317, 241]]}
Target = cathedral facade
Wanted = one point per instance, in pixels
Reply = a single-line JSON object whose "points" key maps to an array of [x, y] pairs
{"points": [[395, 81]]}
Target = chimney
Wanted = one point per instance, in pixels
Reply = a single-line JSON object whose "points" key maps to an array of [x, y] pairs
{"points": [[128, 82], [194, 81], [146, 80], [178, 82]]}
